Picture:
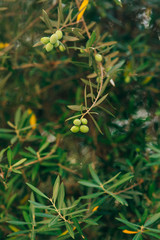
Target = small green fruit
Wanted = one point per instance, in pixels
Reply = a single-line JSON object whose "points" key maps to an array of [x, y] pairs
{"points": [[98, 57], [74, 129], [56, 44], [84, 121], [45, 40], [49, 47], [84, 128], [98, 79], [77, 122], [62, 48], [53, 38], [82, 50], [59, 34]]}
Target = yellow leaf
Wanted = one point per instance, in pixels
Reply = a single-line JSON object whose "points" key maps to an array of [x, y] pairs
{"points": [[65, 232], [33, 119], [24, 199], [147, 80], [95, 208], [14, 229], [3, 45], [129, 232], [82, 9]]}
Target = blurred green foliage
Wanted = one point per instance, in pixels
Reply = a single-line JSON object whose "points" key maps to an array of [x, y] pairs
{"points": [[46, 83]]}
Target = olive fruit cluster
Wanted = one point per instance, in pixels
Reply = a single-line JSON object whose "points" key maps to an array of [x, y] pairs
{"points": [[80, 125], [53, 41]]}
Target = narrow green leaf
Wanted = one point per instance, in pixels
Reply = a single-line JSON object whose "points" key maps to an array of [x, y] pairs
{"points": [[88, 184], [137, 236], [19, 162], [88, 83], [70, 230], [17, 233], [91, 89], [153, 219], [47, 20], [96, 124], [17, 117], [77, 107], [39, 205], [31, 150], [107, 111], [18, 222], [93, 195], [94, 175], [112, 179], [153, 230], [61, 195], [56, 189], [68, 16], [70, 38], [125, 178], [152, 234], [43, 215], [53, 221], [5, 130], [37, 191], [131, 225], [91, 40], [85, 96], [44, 146], [61, 11], [100, 100], [77, 225], [9, 156]]}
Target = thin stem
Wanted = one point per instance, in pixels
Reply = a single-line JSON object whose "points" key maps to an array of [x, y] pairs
{"points": [[61, 216], [70, 24], [100, 65]]}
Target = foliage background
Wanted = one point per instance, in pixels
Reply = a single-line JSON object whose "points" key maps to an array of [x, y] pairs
{"points": [[47, 83]]}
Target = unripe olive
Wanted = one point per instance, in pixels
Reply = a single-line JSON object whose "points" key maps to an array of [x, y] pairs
{"points": [[98, 57], [45, 40], [84, 128], [53, 38], [62, 48], [84, 121], [98, 79], [74, 129], [77, 122], [82, 50], [49, 47], [59, 34], [127, 79], [56, 44]]}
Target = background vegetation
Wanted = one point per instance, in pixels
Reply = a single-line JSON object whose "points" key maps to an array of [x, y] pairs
{"points": [[37, 86]]}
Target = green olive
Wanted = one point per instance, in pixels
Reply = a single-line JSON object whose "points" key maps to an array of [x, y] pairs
{"points": [[45, 40], [98, 57], [74, 129], [53, 38], [84, 121], [49, 47], [77, 122], [98, 79], [82, 50], [59, 34], [57, 44], [84, 128], [62, 48]]}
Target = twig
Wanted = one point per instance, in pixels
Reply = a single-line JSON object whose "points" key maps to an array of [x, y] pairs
{"points": [[100, 65], [134, 185]]}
